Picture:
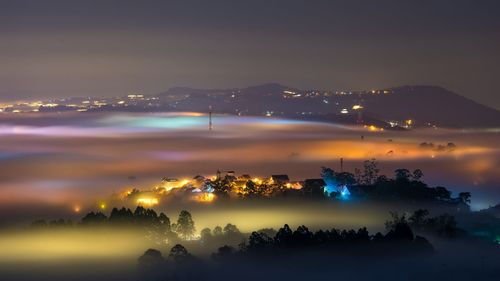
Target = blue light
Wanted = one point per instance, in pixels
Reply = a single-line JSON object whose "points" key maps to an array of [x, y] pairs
{"points": [[207, 187], [329, 189], [344, 192]]}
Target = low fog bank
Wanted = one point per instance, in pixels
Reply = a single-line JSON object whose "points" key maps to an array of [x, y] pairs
{"points": [[452, 260], [81, 270], [248, 214], [111, 252]]}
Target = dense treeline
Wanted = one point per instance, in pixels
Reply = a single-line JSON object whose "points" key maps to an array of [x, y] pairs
{"points": [[163, 231], [159, 227], [366, 183], [261, 249], [287, 240]]}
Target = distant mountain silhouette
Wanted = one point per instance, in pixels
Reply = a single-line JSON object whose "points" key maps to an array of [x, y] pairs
{"points": [[424, 104], [268, 88], [432, 104]]}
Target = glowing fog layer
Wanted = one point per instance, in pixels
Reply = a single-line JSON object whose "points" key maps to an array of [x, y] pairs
{"points": [[72, 159]]}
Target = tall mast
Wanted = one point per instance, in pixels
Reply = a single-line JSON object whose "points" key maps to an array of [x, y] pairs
{"points": [[210, 127], [210, 121]]}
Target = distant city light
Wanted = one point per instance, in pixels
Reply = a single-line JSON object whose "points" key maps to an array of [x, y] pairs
{"points": [[373, 128], [408, 123]]}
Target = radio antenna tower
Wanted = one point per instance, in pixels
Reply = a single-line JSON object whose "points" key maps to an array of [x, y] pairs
{"points": [[210, 127]]}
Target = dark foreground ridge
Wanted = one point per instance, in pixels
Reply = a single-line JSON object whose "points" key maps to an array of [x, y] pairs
{"points": [[269, 255]]}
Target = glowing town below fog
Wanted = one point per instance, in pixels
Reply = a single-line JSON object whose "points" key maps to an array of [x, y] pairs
{"points": [[207, 189], [365, 183]]}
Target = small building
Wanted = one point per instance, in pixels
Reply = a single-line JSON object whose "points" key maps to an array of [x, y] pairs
{"points": [[199, 178], [198, 181], [314, 188], [245, 177], [172, 183], [279, 179], [239, 184], [230, 178]]}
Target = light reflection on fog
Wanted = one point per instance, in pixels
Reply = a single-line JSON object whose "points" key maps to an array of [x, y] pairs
{"points": [[66, 159]]}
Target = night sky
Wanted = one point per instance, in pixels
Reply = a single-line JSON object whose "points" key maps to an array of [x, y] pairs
{"points": [[109, 48]]}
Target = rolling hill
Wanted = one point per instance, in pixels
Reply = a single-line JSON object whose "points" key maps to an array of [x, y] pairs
{"points": [[424, 104]]}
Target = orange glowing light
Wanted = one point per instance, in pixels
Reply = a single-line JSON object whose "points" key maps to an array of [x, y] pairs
{"points": [[205, 197], [148, 201], [373, 128], [257, 180]]}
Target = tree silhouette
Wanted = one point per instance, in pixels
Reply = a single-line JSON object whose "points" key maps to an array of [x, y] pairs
{"points": [[165, 222], [302, 236], [217, 231], [231, 229], [465, 197], [443, 225], [418, 218], [328, 175], [94, 218], [398, 227], [345, 178], [369, 173], [121, 216], [185, 225], [179, 254], [417, 174], [402, 175], [151, 260], [259, 241], [223, 253], [442, 193], [206, 234]]}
